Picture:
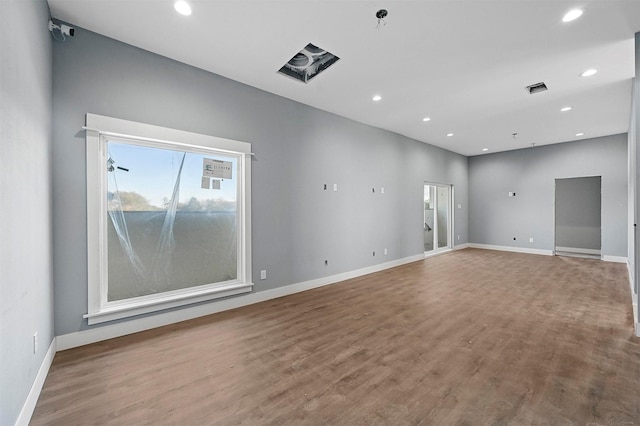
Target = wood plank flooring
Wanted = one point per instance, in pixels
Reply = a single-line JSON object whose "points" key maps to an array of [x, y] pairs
{"points": [[473, 337]]}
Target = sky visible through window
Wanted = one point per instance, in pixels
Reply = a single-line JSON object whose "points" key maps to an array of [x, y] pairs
{"points": [[151, 173]]}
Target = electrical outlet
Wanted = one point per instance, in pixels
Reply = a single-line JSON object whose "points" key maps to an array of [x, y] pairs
{"points": [[531, 239], [386, 252], [382, 190], [458, 237], [335, 187], [35, 342], [263, 274]]}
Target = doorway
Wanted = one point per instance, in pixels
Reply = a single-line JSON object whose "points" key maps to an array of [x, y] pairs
{"points": [[437, 217], [578, 226]]}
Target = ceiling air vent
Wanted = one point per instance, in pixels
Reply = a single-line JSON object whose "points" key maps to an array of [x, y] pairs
{"points": [[535, 88], [308, 63]]}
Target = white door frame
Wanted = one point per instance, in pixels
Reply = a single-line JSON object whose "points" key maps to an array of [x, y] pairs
{"points": [[436, 249]]}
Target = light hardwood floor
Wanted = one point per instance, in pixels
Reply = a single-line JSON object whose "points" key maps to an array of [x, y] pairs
{"points": [[473, 337]]}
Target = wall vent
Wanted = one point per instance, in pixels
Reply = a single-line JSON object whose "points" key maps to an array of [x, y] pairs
{"points": [[535, 88]]}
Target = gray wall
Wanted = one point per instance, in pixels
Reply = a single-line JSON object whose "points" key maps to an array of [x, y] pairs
{"points": [[633, 177], [296, 224], [577, 215], [26, 287], [530, 173]]}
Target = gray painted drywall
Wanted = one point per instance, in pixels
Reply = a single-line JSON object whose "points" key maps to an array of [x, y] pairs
{"points": [[634, 176], [296, 223], [577, 215], [496, 218], [26, 285]]}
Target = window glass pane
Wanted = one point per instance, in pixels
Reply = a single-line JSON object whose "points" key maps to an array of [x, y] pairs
{"points": [[172, 219]]}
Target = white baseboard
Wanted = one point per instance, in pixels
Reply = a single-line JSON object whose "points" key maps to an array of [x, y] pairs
{"points": [[99, 333], [616, 259], [635, 319], [606, 258], [579, 250], [32, 399], [461, 246], [512, 249]]}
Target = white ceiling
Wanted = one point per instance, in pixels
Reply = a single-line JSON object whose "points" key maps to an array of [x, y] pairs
{"points": [[463, 63]]}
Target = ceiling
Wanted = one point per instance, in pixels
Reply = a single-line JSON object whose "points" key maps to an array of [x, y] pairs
{"points": [[463, 63]]}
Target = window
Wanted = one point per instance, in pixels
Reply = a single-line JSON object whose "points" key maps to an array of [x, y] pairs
{"points": [[168, 218]]}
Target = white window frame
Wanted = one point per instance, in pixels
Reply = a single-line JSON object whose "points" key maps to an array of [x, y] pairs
{"points": [[98, 129]]}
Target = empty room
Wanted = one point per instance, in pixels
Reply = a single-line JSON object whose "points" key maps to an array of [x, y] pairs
{"points": [[270, 212]]}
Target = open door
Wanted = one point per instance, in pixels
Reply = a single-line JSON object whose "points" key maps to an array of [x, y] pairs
{"points": [[578, 227], [437, 218]]}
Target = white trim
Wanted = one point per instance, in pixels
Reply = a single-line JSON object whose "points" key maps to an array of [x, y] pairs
{"points": [[433, 253], [180, 299], [634, 300], [32, 399], [98, 307], [580, 250], [615, 259], [512, 249], [97, 334], [116, 127], [461, 246]]}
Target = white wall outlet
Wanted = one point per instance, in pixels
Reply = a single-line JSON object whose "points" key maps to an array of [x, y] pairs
{"points": [[386, 252], [459, 206], [531, 239], [458, 237], [263, 274], [335, 187], [35, 342], [382, 192]]}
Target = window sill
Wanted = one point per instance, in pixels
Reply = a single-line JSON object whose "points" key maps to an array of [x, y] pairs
{"points": [[157, 303]]}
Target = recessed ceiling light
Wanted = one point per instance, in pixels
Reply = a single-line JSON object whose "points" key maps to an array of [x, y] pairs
{"points": [[567, 108], [572, 15], [376, 98], [182, 7], [426, 119], [589, 73], [580, 134], [485, 149], [449, 134]]}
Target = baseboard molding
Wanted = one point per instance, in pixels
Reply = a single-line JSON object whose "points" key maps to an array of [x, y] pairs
{"points": [[32, 399], [512, 249], [461, 246], [616, 259], [579, 250], [606, 258], [105, 332]]}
